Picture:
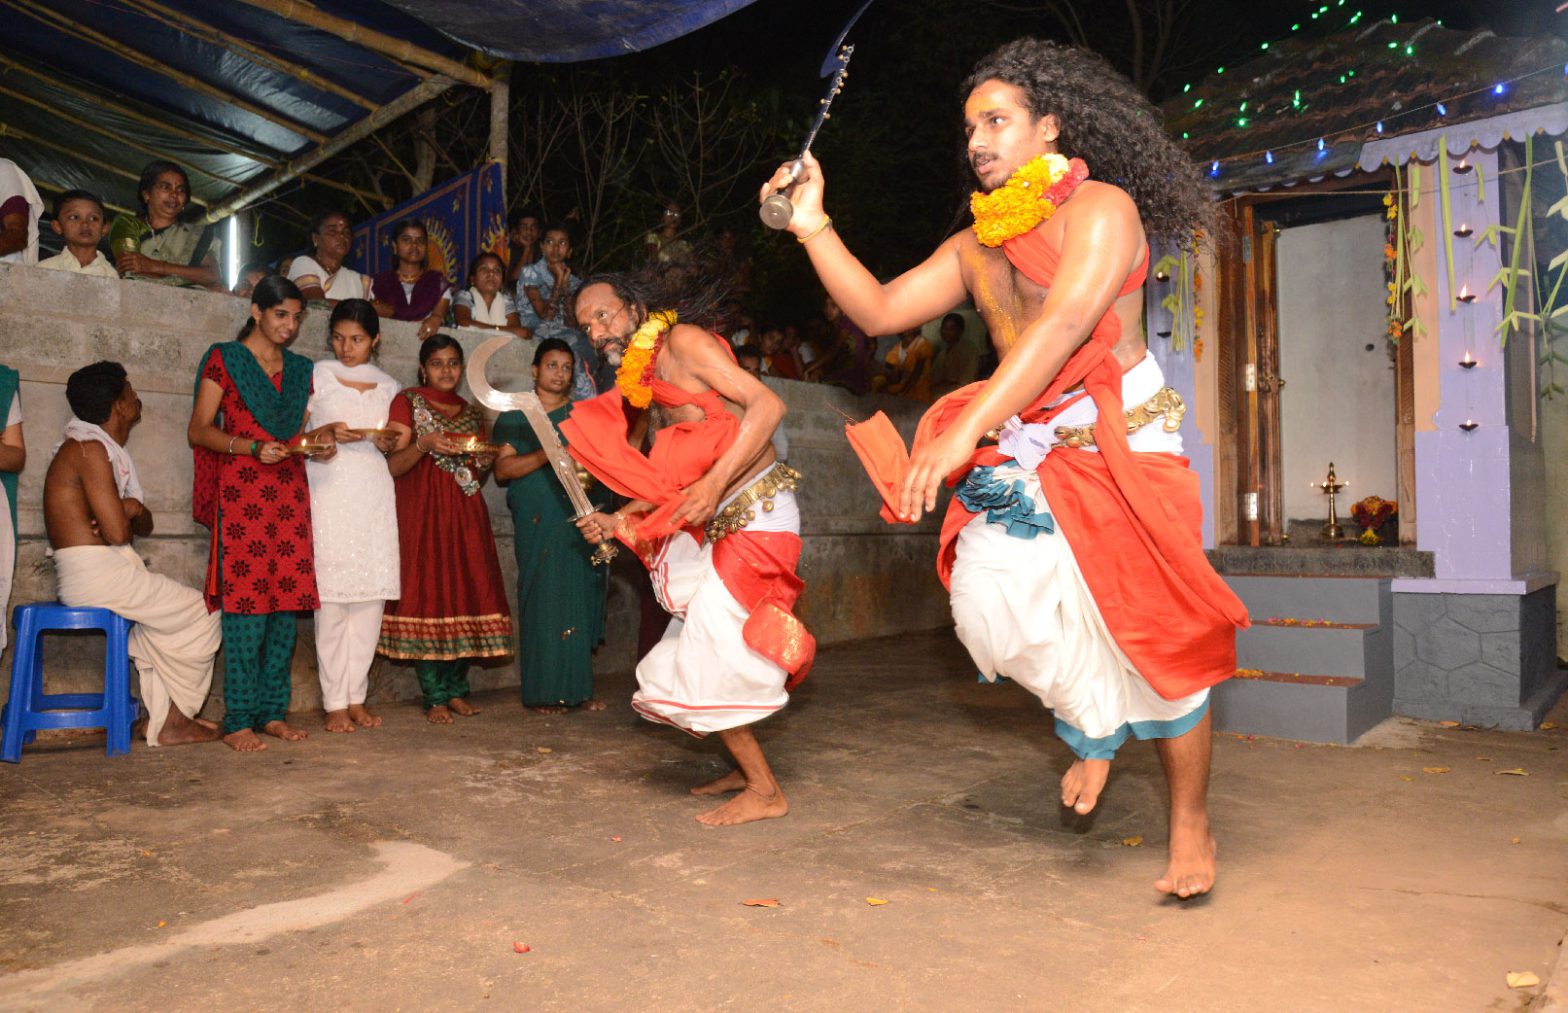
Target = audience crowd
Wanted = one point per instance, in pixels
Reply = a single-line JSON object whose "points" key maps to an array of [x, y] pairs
{"points": [[328, 488]]}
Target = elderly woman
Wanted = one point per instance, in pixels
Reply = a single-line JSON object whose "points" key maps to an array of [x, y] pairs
{"points": [[412, 290], [560, 593], [453, 604], [156, 245], [353, 513], [322, 275]]}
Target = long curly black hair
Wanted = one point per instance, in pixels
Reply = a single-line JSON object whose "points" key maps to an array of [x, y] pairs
{"points": [[695, 291], [1108, 123]]}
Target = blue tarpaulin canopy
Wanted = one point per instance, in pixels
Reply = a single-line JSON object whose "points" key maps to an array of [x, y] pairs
{"points": [[91, 90]]}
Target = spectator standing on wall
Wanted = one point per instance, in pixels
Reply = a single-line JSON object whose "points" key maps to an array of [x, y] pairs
{"points": [[524, 229], [20, 209], [957, 362], [485, 303], [545, 306]]}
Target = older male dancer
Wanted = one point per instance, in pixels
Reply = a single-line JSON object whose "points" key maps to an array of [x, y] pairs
{"points": [[93, 510], [1071, 547], [712, 516]]}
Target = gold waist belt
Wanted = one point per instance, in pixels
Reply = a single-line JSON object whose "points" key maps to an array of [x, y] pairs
{"points": [[1166, 404], [742, 510]]}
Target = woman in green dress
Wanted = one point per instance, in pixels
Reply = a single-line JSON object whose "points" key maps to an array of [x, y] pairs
{"points": [[560, 593]]}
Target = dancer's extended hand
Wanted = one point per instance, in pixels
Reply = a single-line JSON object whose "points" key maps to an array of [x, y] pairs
{"points": [[806, 198], [702, 499]]}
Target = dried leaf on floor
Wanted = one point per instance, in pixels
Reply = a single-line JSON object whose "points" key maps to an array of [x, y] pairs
{"points": [[1547, 726], [875, 901], [1132, 842], [546, 749], [761, 902], [1516, 771], [616, 839], [1513, 840], [1436, 770], [521, 948], [1449, 724], [1523, 979], [1406, 777]]}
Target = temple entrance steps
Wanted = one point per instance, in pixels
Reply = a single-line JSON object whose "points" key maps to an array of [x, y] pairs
{"points": [[1318, 662]]}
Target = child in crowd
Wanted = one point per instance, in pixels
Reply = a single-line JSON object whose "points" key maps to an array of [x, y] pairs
{"points": [[483, 304], [80, 220]]}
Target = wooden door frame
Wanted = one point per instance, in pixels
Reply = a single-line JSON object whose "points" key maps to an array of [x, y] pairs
{"points": [[1248, 450]]}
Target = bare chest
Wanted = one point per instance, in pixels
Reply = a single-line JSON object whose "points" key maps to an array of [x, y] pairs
{"points": [[1007, 301]]}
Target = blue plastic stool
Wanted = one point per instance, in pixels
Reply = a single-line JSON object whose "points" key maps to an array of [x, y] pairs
{"points": [[30, 709]]}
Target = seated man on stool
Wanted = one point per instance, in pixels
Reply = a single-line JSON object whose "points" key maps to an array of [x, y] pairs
{"points": [[92, 509]]}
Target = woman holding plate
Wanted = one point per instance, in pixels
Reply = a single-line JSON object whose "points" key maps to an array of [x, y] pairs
{"points": [[247, 433], [353, 513], [453, 604]]}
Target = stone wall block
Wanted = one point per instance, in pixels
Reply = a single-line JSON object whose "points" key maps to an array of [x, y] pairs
{"points": [[1487, 613], [1449, 645], [1420, 681]]}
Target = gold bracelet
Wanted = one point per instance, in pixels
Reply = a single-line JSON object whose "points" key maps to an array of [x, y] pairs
{"points": [[814, 233], [231, 445]]}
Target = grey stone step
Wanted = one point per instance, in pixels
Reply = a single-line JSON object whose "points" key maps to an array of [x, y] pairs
{"points": [[1338, 599], [1345, 651], [1305, 708]]}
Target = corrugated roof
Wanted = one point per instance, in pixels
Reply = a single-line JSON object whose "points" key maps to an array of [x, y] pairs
{"points": [[1340, 87]]}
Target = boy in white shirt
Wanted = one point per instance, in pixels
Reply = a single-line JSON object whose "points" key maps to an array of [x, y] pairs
{"points": [[79, 218]]}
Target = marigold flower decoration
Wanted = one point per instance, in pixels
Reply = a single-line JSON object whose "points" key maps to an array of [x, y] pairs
{"points": [[1370, 513], [634, 377], [1030, 196]]}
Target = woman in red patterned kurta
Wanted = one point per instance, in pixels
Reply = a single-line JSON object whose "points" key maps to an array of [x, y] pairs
{"points": [[453, 607], [251, 493]]}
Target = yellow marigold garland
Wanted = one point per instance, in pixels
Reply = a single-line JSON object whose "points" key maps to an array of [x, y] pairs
{"points": [[1030, 196], [634, 377]]}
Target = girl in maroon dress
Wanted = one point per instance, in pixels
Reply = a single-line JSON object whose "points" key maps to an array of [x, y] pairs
{"points": [[411, 290], [250, 491], [453, 607]]}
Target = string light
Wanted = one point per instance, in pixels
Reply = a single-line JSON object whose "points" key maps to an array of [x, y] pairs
{"points": [[1268, 156], [1498, 88], [1442, 110], [1320, 144]]}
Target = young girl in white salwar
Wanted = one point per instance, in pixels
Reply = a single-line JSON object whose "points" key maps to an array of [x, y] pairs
{"points": [[354, 514]]}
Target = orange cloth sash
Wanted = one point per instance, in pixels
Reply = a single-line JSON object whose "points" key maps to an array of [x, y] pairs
{"points": [[1133, 520]]}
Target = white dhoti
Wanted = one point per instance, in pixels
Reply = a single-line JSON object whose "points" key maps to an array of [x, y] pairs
{"points": [[346, 637], [703, 677], [1023, 610], [175, 637]]}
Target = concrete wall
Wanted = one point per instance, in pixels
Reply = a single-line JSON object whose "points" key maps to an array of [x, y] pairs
{"points": [[863, 577]]}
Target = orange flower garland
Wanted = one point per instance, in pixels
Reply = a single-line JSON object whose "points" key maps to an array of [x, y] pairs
{"points": [[634, 376], [1030, 196]]}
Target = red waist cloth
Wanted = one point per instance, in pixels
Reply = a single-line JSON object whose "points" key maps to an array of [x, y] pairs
{"points": [[758, 568], [1133, 520]]}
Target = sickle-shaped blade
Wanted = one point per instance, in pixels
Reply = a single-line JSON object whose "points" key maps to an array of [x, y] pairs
{"points": [[498, 400], [830, 63]]}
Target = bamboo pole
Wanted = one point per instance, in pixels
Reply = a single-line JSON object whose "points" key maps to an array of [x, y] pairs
{"points": [[500, 113], [6, 130], [44, 184], [198, 29], [64, 24], [405, 103], [351, 31]]}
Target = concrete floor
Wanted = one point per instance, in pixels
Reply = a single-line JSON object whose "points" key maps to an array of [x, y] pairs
{"points": [[396, 869]]}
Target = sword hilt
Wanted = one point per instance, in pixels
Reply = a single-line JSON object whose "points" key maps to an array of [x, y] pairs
{"points": [[603, 553]]}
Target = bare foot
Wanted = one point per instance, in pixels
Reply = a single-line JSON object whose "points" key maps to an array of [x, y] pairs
{"points": [[1191, 868], [206, 724], [747, 807], [550, 709], [1082, 784], [733, 781], [438, 715], [285, 731], [245, 741], [463, 707], [594, 705], [361, 716], [337, 721], [178, 729]]}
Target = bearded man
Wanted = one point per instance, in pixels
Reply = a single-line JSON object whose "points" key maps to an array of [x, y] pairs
{"points": [[1071, 546], [712, 516]]}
